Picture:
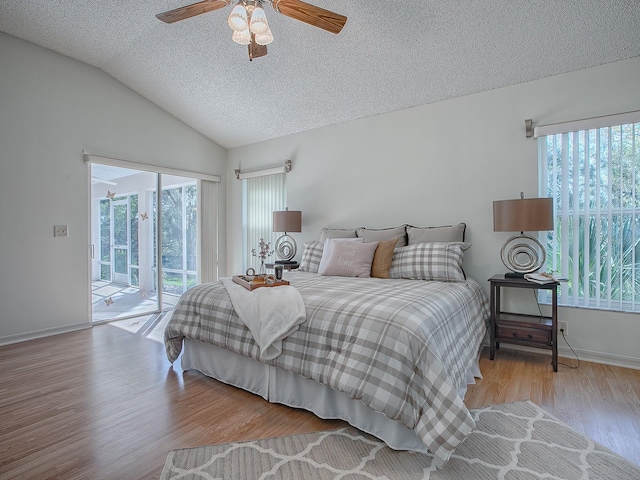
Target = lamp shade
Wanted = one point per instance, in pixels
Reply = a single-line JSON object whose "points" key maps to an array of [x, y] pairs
{"points": [[523, 215], [287, 221]]}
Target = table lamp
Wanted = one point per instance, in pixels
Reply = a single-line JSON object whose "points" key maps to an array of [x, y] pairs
{"points": [[286, 221], [522, 253]]}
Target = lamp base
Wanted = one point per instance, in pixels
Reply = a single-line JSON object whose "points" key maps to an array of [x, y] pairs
{"points": [[514, 275], [286, 249], [522, 254]]}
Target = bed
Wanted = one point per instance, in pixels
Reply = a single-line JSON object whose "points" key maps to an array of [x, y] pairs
{"points": [[391, 356]]}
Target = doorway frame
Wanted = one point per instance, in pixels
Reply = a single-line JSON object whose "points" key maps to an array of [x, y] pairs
{"points": [[208, 215]]}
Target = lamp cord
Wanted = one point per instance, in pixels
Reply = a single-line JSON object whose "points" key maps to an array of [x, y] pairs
{"points": [[563, 336]]}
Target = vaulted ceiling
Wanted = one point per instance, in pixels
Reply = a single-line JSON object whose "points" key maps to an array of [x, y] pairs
{"points": [[390, 55]]}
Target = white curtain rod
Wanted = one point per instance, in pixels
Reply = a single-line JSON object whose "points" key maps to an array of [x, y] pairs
{"points": [[583, 124], [265, 171]]}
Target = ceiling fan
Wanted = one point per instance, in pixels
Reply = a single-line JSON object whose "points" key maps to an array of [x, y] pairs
{"points": [[249, 23]]}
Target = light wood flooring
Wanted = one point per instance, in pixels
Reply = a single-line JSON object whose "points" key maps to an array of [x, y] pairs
{"points": [[104, 403]]}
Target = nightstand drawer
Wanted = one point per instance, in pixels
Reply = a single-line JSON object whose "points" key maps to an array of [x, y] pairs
{"points": [[522, 334]]}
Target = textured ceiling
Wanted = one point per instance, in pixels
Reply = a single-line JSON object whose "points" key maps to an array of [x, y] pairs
{"points": [[390, 55]]}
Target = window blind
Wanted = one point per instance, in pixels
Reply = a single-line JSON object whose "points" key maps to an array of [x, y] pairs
{"points": [[593, 176], [262, 195], [208, 238], [587, 124]]}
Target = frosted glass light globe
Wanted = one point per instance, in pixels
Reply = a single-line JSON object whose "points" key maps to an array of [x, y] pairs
{"points": [[243, 38], [258, 22], [264, 38], [238, 18]]}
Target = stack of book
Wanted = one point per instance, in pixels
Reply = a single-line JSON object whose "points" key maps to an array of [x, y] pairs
{"points": [[542, 278]]}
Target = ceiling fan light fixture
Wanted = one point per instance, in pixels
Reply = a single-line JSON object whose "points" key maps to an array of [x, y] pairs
{"points": [[243, 38], [258, 23], [238, 20], [249, 21], [264, 38]]}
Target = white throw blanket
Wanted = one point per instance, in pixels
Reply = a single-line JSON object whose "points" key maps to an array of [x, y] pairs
{"points": [[270, 313]]}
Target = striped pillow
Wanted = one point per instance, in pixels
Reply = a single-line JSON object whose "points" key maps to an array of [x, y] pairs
{"points": [[441, 261]]}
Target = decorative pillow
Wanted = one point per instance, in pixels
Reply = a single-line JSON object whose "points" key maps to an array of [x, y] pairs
{"points": [[453, 233], [382, 259], [337, 233], [383, 234], [311, 256], [328, 247], [441, 261], [349, 259]]}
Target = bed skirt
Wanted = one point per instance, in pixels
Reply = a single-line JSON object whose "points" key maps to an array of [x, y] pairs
{"points": [[278, 386]]}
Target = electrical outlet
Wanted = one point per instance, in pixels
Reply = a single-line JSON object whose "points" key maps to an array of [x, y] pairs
{"points": [[564, 326], [60, 231]]}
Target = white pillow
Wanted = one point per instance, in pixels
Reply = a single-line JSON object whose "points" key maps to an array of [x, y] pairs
{"points": [[349, 259], [327, 247]]}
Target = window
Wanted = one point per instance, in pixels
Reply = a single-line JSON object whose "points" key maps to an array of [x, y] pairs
{"points": [[593, 176], [262, 195], [179, 233]]}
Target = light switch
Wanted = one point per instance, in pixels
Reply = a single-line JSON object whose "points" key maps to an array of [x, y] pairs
{"points": [[60, 231]]}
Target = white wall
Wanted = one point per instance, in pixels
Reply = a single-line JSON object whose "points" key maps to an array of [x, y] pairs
{"points": [[431, 165], [53, 108], [445, 163]]}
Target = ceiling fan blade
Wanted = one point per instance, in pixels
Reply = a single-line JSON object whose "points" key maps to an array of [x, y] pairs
{"points": [[256, 50], [307, 13], [189, 11]]}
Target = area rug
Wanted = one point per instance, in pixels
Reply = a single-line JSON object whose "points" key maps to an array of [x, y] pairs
{"points": [[516, 441]]}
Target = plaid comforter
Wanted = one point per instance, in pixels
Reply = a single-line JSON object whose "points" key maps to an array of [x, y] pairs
{"points": [[401, 346]]}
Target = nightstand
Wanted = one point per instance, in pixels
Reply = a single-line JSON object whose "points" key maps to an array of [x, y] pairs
{"points": [[287, 266], [520, 329]]}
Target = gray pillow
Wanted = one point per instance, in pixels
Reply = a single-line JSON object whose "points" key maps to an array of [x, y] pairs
{"points": [[384, 234], [311, 256], [337, 233], [440, 261], [452, 233]]}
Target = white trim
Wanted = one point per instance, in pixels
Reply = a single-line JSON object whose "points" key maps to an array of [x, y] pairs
{"points": [[116, 162], [47, 332], [587, 124], [584, 356]]}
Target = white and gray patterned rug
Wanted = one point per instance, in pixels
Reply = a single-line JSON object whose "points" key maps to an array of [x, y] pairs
{"points": [[516, 441]]}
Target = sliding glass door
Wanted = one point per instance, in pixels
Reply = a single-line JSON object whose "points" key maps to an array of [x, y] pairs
{"points": [[144, 256], [179, 234]]}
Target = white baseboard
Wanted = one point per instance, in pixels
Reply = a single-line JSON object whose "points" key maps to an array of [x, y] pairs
{"points": [[47, 332], [599, 357], [583, 355]]}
